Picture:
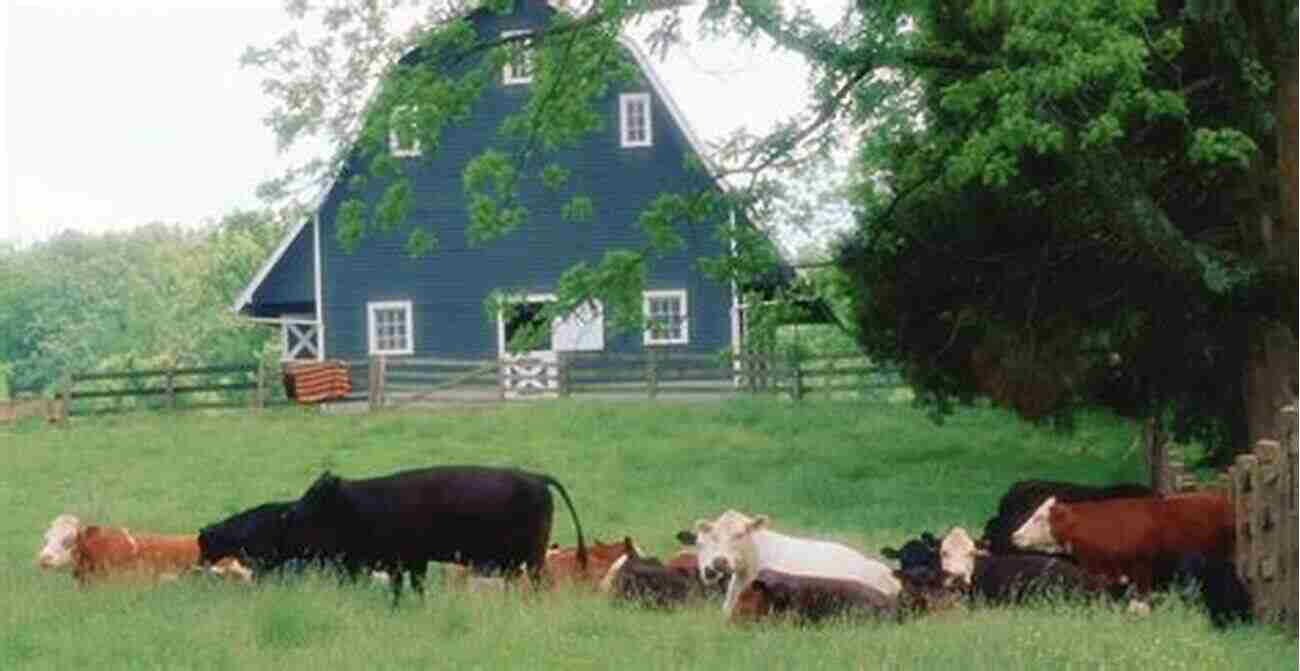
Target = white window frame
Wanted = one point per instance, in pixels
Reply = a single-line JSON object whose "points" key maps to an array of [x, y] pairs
{"points": [[508, 75], [649, 337], [625, 101], [394, 142], [299, 334], [371, 325]]}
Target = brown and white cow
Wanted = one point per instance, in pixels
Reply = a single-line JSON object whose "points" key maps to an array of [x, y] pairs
{"points": [[809, 598], [740, 546], [1126, 539], [94, 552], [564, 568]]}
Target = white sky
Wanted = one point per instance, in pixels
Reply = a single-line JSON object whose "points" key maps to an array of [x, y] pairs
{"points": [[118, 113]]}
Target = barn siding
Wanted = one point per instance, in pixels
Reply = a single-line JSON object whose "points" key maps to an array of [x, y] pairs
{"points": [[448, 287], [290, 285]]}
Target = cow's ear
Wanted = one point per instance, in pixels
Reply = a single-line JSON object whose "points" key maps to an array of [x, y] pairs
{"points": [[703, 528], [686, 537], [759, 522], [629, 547], [928, 538], [889, 553]]}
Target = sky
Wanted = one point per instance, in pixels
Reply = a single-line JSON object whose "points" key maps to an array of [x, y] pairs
{"points": [[118, 114]]}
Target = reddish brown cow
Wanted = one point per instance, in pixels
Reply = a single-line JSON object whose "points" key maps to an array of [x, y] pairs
{"points": [[809, 598], [94, 552], [1123, 539], [564, 568]]}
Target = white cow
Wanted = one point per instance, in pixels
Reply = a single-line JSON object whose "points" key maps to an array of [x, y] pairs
{"points": [[741, 546]]}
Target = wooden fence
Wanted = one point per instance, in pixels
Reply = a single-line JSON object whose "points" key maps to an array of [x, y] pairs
{"points": [[228, 385], [1264, 500], [652, 374]]}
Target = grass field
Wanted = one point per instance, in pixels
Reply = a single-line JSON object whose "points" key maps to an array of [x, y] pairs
{"points": [[865, 474]]}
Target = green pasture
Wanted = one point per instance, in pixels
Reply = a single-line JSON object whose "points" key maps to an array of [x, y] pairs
{"points": [[865, 474]]}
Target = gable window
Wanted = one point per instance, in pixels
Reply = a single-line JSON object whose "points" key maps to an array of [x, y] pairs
{"points": [[403, 118], [665, 313], [519, 65], [391, 327], [634, 119]]}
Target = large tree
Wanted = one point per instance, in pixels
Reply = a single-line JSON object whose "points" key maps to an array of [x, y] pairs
{"points": [[1058, 201]]}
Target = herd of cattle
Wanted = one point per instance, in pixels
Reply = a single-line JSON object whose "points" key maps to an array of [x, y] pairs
{"points": [[493, 525]]}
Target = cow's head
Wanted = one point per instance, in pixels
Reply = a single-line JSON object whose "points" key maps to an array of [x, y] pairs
{"points": [[60, 539], [957, 556], [254, 536], [918, 559], [1036, 532], [725, 546]]}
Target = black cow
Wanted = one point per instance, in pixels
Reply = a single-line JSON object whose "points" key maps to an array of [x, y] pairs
{"points": [[918, 558], [1215, 581], [1025, 496], [495, 520], [647, 581], [255, 536], [810, 598]]}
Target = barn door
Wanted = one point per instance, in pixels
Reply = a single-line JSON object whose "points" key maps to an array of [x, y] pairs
{"points": [[531, 373]]}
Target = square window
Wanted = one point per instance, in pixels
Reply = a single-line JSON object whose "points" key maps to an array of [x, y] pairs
{"points": [[390, 327], [403, 124], [519, 65], [666, 322], [635, 127]]}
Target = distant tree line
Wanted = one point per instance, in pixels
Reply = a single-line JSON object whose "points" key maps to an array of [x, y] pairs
{"points": [[154, 296]]}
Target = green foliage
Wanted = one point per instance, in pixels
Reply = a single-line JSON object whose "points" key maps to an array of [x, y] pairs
{"points": [[155, 295], [1076, 221]]}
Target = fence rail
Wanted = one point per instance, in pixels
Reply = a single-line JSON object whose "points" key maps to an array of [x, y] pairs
{"points": [[224, 385]]}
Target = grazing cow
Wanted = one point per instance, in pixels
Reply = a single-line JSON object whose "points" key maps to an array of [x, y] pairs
{"points": [[495, 520], [1125, 538], [1025, 496], [257, 537], [95, 552], [563, 567], [809, 598], [647, 580], [1008, 578], [741, 546]]}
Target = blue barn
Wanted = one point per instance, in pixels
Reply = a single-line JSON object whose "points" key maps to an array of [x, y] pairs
{"points": [[377, 299]]}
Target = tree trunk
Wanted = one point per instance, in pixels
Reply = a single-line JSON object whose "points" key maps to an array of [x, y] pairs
{"points": [[1270, 380]]}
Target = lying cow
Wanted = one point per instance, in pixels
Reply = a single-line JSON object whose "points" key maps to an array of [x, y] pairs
{"points": [[1025, 496], [495, 520], [809, 598], [918, 559], [646, 580], [563, 567], [1123, 539], [95, 552], [1009, 578], [740, 546]]}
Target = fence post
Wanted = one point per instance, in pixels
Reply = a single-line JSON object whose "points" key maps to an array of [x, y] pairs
{"points": [[796, 373], [651, 373], [170, 384], [375, 381], [562, 363], [1157, 456], [259, 394]]}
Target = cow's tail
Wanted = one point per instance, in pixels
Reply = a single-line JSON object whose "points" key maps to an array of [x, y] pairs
{"points": [[582, 548]]}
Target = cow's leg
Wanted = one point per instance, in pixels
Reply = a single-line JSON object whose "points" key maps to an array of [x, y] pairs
{"points": [[416, 570]]}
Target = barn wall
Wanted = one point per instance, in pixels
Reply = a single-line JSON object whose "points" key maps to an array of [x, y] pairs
{"points": [[448, 287], [290, 284]]}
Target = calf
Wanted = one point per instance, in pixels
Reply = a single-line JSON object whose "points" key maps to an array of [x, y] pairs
{"points": [[495, 520], [918, 558], [740, 546], [1025, 496], [1008, 578], [646, 580], [1124, 538], [809, 598], [94, 552]]}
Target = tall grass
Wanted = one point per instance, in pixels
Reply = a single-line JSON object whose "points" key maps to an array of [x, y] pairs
{"points": [[868, 475]]}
